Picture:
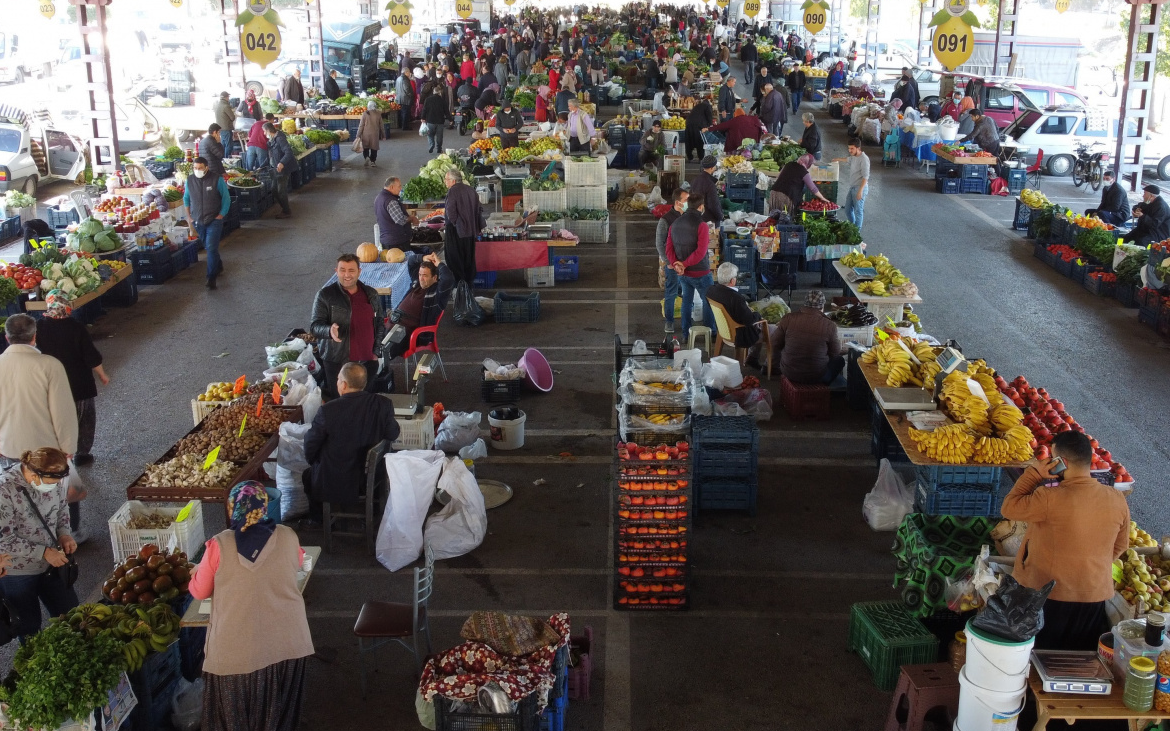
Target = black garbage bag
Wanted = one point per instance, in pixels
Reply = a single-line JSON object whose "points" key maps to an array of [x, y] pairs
{"points": [[466, 310], [1014, 613]]}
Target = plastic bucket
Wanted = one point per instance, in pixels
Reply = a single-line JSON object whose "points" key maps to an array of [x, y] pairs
{"points": [[982, 709], [273, 503], [674, 164], [507, 427], [995, 664], [537, 372]]}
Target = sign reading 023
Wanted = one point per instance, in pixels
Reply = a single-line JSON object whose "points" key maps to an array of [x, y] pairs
{"points": [[47, 8], [259, 32]]}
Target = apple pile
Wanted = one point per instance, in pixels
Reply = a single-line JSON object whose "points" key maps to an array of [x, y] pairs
{"points": [[1046, 418], [816, 205], [652, 500], [654, 545], [657, 572], [650, 557], [629, 451], [655, 485]]}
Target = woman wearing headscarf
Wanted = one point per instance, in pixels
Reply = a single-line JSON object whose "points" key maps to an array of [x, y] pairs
{"points": [[35, 538], [371, 133], [794, 179], [837, 76], [253, 679], [966, 124], [250, 106], [890, 116]]}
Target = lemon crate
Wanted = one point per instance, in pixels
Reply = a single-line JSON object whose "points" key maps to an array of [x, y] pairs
{"points": [[589, 232], [544, 200], [887, 637], [590, 197], [416, 432], [187, 536], [585, 173]]}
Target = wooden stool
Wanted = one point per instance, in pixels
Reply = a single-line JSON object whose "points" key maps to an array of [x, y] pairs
{"points": [[923, 688], [696, 332], [804, 401]]}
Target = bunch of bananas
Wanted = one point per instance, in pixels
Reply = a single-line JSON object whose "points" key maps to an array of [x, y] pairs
{"points": [[665, 419], [142, 630], [874, 287], [732, 160], [674, 123], [950, 444], [1034, 198], [898, 367]]}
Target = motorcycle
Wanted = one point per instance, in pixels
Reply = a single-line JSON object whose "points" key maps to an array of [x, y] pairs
{"points": [[1089, 165]]}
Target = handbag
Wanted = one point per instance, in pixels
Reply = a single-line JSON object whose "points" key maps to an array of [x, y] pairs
{"points": [[66, 574]]}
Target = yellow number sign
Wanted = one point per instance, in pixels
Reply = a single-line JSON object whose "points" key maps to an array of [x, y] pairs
{"points": [[953, 40], [47, 8], [260, 41], [400, 18], [722, 3], [509, 2], [1061, 6], [751, 8], [815, 16], [463, 8], [177, 3]]}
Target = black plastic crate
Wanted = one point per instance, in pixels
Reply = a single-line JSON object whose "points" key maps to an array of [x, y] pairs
{"points": [[947, 186], [191, 641], [1148, 316], [517, 307], [59, 219], [973, 172], [726, 431], [793, 240], [155, 274], [741, 193], [741, 180], [124, 293], [944, 169], [154, 685], [743, 257], [857, 391], [525, 718], [726, 494], [830, 279], [179, 98], [500, 391], [1023, 216], [9, 228], [157, 256], [1126, 294], [160, 169]]}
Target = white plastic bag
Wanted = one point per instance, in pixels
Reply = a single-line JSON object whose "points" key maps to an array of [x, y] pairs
{"points": [[414, 475], [654, 198], [477, 450], [290, 466], [296, 372], [311, 405], [462, 524], [187, 705], [889, 501], [753, 402], [722, 372], [458, 430], [693, 359], [282, 353]]}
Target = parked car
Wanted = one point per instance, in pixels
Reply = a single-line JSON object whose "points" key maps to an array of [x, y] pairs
{"points": [[1058, 131], [33, 151]]}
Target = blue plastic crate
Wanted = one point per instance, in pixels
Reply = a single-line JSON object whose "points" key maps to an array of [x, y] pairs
{"points": [[793, 240], [733, 494], [124, 293], [178, 260], [59, 219], [324, 160], [191, 252], [1148, 316], [746, 285], [947, 186], [741, 180], [710, 462], [335, 152], [830, 279], [741, 193], [943, 475], [743, 257], [553, 718], [295, 179], [191, 641], [9, 228], [565, 268], [484, 280], [816, 265], [154, 685], [887, 448], [969, 185], [156, 256], [725, 431], [633, 156], [970, 501], [514, 308], [973, 172]]}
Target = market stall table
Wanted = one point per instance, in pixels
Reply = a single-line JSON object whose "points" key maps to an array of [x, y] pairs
{"points": [[195, 616], [85, 299], [1072, 707], [881, 307], [495, 256], [252, 469], [389, 280], [966, 159]]}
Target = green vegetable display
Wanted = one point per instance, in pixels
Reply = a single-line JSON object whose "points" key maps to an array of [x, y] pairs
{"points": [[244, 181], [270, 106], [772, 312], [582, 214], [297, 143], [60, 675], [419, 189], [322, 137], [822, 232], [47, 253], [17, 199], [174, 152], [784, 153], [8, 291], [524, 99], [546, 216], [1097, 243], [539, 183], [92, 236], [1129, 270]]}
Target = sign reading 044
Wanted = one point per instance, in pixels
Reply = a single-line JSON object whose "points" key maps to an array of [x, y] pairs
{"points": [[953, 40], [815, 15], [401, 17], [751, 8], [259, 32], [463, 8]]}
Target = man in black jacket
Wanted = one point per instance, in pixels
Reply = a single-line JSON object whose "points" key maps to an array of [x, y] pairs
{"points": [[796, 82], [698, 120], [349, 322], [332, 90], [727, 99], [1153, 219], [343, 432], [465, 220], [703, 189], [749, 54], [422, 305], [211, 149], [281, 157], [764, 77], [724, 293], [434, 113], [1114, 206], [810, 139]]}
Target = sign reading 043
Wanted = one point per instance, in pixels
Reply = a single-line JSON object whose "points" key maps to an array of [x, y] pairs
{"points": [[815, 15], [259, 32], [401, 17], [751, 8], [953, 40], [463, 8]]}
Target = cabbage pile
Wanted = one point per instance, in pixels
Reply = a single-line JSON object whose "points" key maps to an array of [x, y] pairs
{"points": [[437, 168], [91, 236], [76, 277]]}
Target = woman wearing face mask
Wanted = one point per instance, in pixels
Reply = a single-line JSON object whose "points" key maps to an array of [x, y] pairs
{"points": [[35, 536]]}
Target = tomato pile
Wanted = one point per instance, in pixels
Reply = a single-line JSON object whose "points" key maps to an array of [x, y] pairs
{"points": [[25, 277], [817, 205]]}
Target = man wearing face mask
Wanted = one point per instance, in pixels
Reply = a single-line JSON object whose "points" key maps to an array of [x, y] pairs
{"points": [[951, 107], [281, 157], [669, 275], [207, 201], [211, 150]]}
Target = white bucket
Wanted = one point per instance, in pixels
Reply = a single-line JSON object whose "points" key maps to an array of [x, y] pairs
{"points": [[674, 164], [995, 664], [507, 433], [981, 709], [948, 133]]}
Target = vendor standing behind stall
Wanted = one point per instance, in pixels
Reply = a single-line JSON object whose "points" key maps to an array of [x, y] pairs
{"points": [[703, 190], [253, 679], [464, 222], [1075, 530], [698, 120], [793, 180], [509, 122], [580, 126], [394, 223]]}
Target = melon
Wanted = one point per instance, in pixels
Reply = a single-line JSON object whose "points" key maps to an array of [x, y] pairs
{"points": [[367, 253], [393, 256]]}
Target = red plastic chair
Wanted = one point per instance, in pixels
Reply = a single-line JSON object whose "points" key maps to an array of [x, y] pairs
{"points": [[432, 347], [1032, 179]]}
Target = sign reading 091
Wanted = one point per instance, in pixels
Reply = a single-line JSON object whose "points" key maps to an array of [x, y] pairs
{"points": [[953, 41]]}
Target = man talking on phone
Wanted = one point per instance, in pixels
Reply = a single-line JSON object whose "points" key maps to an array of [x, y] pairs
{"points": [[1076, 527]]}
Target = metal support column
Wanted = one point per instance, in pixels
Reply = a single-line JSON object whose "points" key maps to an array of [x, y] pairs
{"points": [[98, 86], [872, 19], [233, 54], [835, 10], [929, 8], [1002, 62], [316, 70], [1136, 90]]}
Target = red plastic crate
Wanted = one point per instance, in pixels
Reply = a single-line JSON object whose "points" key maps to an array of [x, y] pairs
{"points": [[803, 401], [579, 674], [511, 202]]}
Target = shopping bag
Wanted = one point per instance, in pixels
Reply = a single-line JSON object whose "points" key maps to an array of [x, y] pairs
{"points": [[460, 526], [1015, 612], [413, 477], [889, 501], [290, 467], [357, 145], [424, 129], [467, 311]]}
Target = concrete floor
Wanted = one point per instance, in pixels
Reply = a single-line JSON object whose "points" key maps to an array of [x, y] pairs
{"points": [[764, 646]]}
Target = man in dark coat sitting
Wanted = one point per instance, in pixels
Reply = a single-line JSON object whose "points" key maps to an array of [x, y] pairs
{"points": [[724, 293], [342, 433]]}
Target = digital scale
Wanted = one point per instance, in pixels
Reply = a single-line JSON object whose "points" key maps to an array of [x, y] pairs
{"points": [[920, 399], [861, 274], [1064, 671]]}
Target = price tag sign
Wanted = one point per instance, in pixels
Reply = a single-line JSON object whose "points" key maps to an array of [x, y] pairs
{"points": [[259, 405], [184, 513], [881, 334], [722, 3], [400, 18], [211, 456], [47, 8], [259, 32], [276, 393], [953, 41], [815, 15], [242, 423], [241, 384], [1061, 6], [751, 8], [463, 8], [283, 377], [1118, 575]]}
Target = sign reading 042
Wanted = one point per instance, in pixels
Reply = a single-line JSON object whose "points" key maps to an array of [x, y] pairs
{"points": [[259, 32], [815, 15], [953, 40], [401, 17], [751, 8], [463, 8]]}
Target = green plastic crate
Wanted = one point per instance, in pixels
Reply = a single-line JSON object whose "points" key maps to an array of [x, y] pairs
{"points": [[511, 186], [887, 636]]}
